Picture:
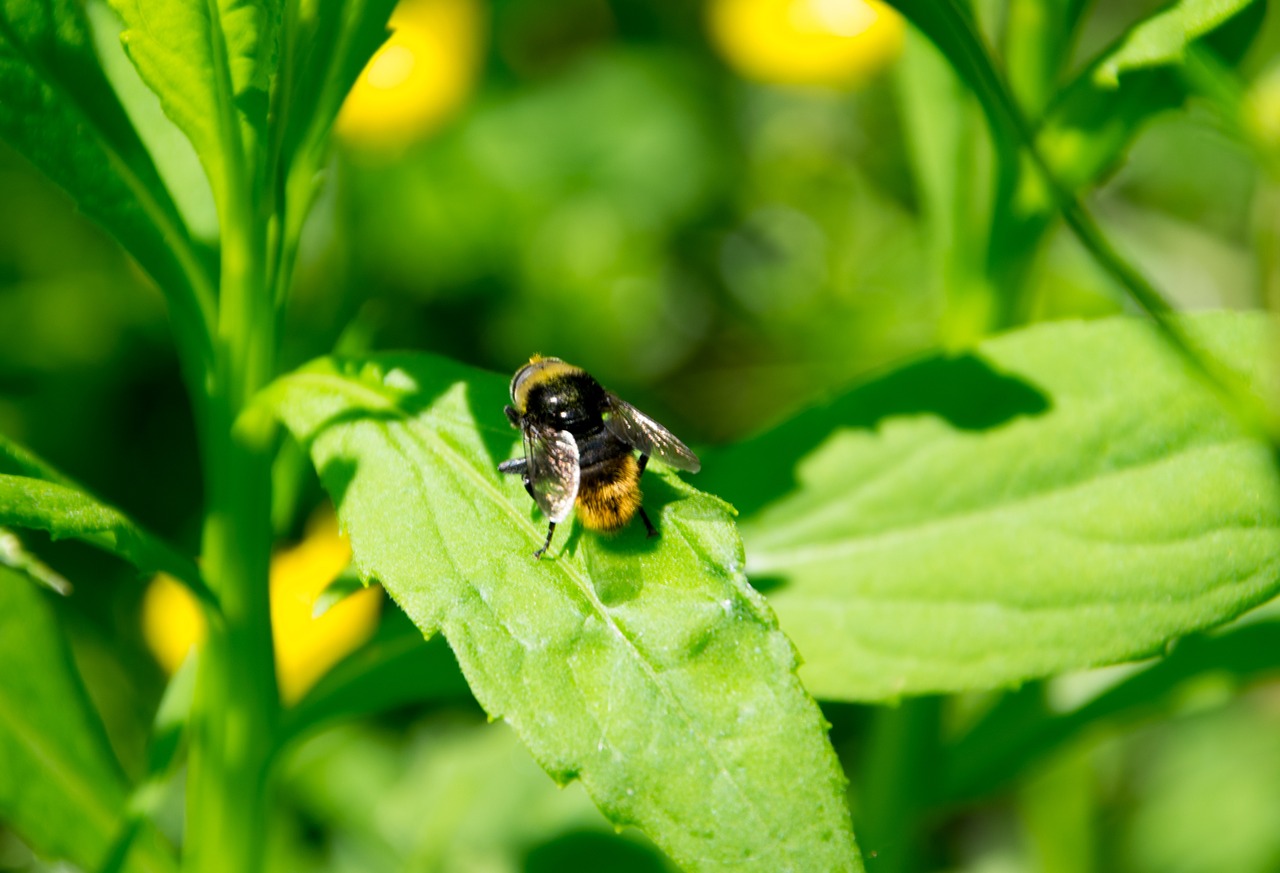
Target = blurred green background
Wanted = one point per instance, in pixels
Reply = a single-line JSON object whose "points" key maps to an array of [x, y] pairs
{"points": [[719, 218]]}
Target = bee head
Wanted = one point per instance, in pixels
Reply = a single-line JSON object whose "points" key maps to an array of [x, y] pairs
{"points": [[539, 369]]}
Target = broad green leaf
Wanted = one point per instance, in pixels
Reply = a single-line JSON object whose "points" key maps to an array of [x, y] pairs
{"points": [[210, 63], [53, 503], [60, 113], [1162, 39], [1067, 496], [647, 669], [60, 787]]}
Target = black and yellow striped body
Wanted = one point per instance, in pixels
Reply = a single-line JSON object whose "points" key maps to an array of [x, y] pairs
{"points": [[552, 394]]}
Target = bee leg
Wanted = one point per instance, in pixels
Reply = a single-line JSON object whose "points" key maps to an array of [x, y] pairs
{"points": [[551, 529], [644, 516], [648, 525]]}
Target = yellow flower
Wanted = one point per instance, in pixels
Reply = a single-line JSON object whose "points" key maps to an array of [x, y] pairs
{"points": [[834, 43], [420, 76], [306, 647]]}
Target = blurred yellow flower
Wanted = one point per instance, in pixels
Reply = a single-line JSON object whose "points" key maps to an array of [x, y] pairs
{"points": [[171, 621], [306, 647], [422, 74], [834, 43]]}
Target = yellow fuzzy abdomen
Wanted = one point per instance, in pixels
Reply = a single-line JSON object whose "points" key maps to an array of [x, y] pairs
{"points": [[609, 495]]}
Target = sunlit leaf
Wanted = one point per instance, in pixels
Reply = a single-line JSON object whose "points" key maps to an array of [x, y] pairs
{"points": [[1163, 38], [60, 787], [211, 65], [647, 669], [1067, 496]]}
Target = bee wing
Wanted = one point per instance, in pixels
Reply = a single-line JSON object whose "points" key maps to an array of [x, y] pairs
{"points": [[644, 434], [552, 456]]}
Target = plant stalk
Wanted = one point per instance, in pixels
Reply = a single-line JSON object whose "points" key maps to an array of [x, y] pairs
{"points": [[236, 705]]}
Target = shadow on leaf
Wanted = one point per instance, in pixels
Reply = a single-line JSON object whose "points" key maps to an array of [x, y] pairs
{"points": [[965, 391]]}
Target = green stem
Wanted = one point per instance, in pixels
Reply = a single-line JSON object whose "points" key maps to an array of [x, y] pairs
{"points": [[236, 704], [235, 709]]}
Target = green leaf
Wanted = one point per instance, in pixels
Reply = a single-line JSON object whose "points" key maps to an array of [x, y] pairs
{"points": [[1086, 131], [60, 113], [210, 63], [1098, 114], [648, 669], [1067, 496], [1162, 39], [63, 510], [346, 584], [60, 787], [329, 49], [1040, 173], [325, 48]]}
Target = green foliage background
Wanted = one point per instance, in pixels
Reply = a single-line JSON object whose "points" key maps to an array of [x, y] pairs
{"points": [[979, 475]]}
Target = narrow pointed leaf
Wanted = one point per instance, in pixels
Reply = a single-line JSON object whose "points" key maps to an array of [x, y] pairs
{"points": [[1163, 38], [1068, 496], [210, 62], [60, 787], [58, 111], [331, 48], [1099, 113], [67, 512], [647, 669], [34, 495]]}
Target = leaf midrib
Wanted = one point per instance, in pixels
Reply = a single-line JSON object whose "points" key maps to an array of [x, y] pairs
{"points": [[439, 447]]}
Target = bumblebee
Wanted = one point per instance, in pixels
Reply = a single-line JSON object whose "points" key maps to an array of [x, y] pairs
{"points": [[580, 445]]}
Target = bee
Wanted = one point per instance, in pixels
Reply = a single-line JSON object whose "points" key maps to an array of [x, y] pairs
{"points": [[580, 445]]}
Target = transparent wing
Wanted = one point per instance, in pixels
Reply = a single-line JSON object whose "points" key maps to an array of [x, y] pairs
{"points": [[553, 469], [644, 434]]}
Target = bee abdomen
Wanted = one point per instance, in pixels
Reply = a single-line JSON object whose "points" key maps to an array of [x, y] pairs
{"points": [[609, 495]]}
